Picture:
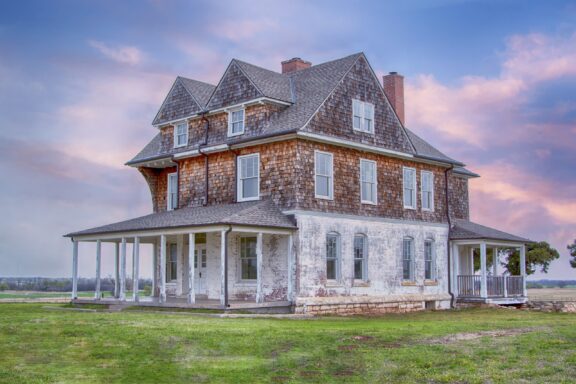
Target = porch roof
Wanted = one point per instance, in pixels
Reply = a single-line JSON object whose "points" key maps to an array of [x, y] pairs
{"points": [[261, 213], [467, 230]]}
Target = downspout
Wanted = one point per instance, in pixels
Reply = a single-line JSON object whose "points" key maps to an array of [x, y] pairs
{"points": [[226, 304], [452, 298], [203, 144]]}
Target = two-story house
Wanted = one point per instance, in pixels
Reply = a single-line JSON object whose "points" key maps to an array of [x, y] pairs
{"points": [[304, 190]]}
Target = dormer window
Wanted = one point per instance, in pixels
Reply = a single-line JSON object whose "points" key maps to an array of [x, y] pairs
{"points": [[181, 134], [236, 122], [362, 116]]}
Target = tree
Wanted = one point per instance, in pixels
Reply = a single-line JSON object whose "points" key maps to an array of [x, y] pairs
{"points": [[572, 249], [538, 255]]}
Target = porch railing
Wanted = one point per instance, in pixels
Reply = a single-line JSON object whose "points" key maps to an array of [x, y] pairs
{"points": [[496, 286]]}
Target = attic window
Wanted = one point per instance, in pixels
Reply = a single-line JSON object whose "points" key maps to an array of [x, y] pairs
{"points": [[181, 134], [362, 116], [236, 122]]}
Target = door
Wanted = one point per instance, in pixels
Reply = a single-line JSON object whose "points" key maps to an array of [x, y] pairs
{"points": [[200, 269]]}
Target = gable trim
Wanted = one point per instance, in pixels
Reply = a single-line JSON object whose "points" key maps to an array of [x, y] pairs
{"points": [[233, 61]]}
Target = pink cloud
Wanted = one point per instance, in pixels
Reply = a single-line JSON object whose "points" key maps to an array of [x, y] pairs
{"points": [[121, 54]]}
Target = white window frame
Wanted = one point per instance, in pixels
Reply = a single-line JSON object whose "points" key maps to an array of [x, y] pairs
{"points": [[176, 134], [239, 191], [422, 191], [373, 182], [230, 122], [412, 264], [414, 188], [337, 259], [240, 259], [170, 262], [433, 274], [170, 203], [364, 258], [362, 105], [330, 176]]}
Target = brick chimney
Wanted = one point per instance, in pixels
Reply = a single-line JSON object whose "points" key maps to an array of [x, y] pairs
{"points": [[394, 90], [295, 64]]}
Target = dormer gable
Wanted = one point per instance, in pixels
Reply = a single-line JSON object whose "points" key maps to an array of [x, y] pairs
{"points": [[180, 102], [234, 88]]}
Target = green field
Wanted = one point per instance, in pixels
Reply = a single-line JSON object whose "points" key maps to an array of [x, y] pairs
{"points": [[39, 345]]}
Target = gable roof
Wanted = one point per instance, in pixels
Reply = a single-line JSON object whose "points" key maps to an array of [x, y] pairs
{"points": [[306, 90], [261, 213], [467, 230]]}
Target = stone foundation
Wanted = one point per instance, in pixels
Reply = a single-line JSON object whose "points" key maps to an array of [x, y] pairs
{"points": [[552, 306], [347, 306]]}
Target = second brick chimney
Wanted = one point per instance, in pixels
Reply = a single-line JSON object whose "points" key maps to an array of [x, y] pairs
{"points": [[295, 64], [394, 90]]}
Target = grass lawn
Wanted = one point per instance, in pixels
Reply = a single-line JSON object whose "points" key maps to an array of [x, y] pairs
{"points": [[38, 345], [43, 295]]}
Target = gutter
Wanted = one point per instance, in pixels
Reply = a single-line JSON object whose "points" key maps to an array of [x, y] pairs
{"points": [[205, 143], [449, 254]]}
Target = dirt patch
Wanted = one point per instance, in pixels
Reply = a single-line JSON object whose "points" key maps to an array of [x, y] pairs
{"points": [[467, 336], [349, 347]]}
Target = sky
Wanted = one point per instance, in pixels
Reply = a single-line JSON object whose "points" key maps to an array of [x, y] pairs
{"points": [[490, 83]]}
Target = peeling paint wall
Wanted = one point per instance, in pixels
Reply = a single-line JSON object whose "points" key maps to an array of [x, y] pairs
{"points": [[384, 257]]}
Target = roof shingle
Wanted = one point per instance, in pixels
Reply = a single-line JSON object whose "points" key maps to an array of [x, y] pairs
{"points": [[467, 230]]}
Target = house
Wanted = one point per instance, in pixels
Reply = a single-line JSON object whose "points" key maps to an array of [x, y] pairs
{"points": [[304, 190]]}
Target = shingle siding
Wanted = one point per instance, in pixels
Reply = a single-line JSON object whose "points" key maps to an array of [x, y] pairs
{"points": [[178, 104], [234, 88]]}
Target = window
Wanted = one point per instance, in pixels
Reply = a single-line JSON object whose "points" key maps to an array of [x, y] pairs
{"points": [[200, 238], [360, 265], [172, 198], [181, 134], [409, 181], [324, 186], [362, 116], [172, 263], [236, 122], [429, 262], [249, 177], [408, 259], [427, 191], [248, 258], [333, 256], [368, 182]]}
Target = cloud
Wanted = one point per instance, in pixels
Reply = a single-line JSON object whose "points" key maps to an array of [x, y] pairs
{"points": [[121, 54]]}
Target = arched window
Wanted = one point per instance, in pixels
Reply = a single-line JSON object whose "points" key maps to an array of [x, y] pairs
{"points": [[408, 259], [429, 260], [360, 257], [333, 256]]}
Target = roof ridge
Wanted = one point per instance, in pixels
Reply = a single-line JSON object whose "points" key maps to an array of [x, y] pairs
{"points": [[198, 81]]}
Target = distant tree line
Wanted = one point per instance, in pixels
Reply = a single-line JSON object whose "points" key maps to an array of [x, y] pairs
{"points": [[44, 284], [551, 283]]}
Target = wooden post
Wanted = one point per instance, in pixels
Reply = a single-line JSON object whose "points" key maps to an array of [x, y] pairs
{"points": [[259, 293], [223, 268], [163, 268], [456, 271], [154, 268], [505, 286], [191, 270], [116, 269], [97, 294], [290, 257], [136, 269], [122, 295], [483, 281], [523, 269], [74, 269]]}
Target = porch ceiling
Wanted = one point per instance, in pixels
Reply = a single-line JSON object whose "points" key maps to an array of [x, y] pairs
{"points": [[467, 230], [262, 213]]}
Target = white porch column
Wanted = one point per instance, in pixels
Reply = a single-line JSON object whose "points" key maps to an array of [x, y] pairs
{"points": [[74, 269], [97, 294], [291, 263], [136, 269], [523, 269], [223, 268], [483, 283], [471, 266], [116, 269], [122, 295], [162, 268], [495, 261], [191, 270], [456, 271], [154, 267], [259, 292]]}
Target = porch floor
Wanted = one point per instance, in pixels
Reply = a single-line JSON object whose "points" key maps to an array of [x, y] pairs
{"points": [[493, 300]]}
